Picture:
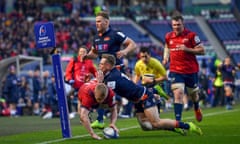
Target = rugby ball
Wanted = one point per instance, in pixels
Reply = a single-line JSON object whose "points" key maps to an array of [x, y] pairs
{"points": [[148, 78], [110, 133]]}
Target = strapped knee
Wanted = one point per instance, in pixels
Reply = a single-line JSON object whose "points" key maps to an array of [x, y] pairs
{"points": [[178, 86], [192, 90]]}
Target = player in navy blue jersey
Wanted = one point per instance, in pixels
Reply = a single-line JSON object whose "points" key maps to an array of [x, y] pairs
{"points": [[145, 101], [109, 41]]}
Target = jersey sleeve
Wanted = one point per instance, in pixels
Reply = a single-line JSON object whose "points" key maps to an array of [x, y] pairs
{"points": [[195, 39], [69, 69], [120, 37]]}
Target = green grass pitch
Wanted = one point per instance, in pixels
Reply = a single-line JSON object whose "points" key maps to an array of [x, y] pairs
{"points": [[219, 126]]}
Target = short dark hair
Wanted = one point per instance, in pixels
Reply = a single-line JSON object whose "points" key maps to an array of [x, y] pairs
{"points": [[145, 49], [177, 17], [110, 59], [103, 14]]}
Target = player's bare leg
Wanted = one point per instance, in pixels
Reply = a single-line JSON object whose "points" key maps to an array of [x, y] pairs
{"points": [[178, 92], [193, 93], [157, 123]]}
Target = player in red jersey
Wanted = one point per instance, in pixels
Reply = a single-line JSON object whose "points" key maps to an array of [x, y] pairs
{"points": [[94, 95], [182, 46]]}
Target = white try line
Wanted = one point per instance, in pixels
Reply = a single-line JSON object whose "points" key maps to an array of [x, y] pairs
{"points": [[133, 127]]}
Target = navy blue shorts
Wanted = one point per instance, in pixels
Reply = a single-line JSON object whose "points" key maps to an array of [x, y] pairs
{"points": [[150, 101], [190, 80], [118, 98]]}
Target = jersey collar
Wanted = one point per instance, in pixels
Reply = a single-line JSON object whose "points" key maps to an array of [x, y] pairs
{"points": [[107, 30]]}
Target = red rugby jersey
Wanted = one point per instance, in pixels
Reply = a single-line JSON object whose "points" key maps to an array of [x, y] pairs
{"points": [[87, 99], [181, 61]]}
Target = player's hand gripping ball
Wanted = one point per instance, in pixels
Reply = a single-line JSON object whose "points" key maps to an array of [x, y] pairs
{"points": [[110, 133]]}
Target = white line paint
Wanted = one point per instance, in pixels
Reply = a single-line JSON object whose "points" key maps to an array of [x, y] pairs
{"points": [[133, 127]]}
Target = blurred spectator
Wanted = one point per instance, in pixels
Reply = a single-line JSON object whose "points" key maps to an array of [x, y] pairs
{"points": [[37, 87], [203, 86], [218, 89], [2, 6], [4, 109], [10, 90], [50, 100], [228, 75], [25, 97]]}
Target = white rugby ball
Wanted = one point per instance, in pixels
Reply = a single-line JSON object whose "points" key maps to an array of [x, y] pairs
{"points": [[148, 78], [110, 133]]}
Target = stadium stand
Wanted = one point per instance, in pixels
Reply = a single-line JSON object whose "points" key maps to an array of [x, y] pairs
{"points": [[227, 30], [136, 35], [160, 27]]}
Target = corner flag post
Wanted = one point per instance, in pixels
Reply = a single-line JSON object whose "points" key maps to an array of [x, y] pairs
{"points": [[45, 38]]}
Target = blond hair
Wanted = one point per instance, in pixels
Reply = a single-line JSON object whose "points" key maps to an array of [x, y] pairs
{"points": [[103, 14]]}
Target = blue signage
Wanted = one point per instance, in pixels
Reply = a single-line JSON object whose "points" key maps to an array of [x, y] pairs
{"points": [[62, 99], [44, 34]]}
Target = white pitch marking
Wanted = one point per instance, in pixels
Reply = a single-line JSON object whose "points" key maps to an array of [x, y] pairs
{"points": [[133, 127]]}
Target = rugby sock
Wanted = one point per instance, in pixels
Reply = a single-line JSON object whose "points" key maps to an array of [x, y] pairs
{"points": [[182, 125], [159, 90], [228, 100], [178, 111], [196, 105], [100, 112]]}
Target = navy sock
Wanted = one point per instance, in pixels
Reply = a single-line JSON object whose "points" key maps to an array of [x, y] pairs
{"points": [[183, 125], [229, 100], [178, 111], [196, 105], [100, 112]]}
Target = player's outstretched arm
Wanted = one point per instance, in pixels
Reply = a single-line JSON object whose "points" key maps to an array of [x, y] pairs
{"points": [[114, 117], [166, 55], [86, 123]]}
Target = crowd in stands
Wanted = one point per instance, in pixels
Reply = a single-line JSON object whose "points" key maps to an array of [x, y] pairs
{"points": [[17, 35]]}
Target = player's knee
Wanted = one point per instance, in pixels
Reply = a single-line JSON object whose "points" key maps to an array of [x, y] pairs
{"points": [[178, 86], [81, 118], [228, 91], [193, 91], [146, 126], [178, 90]]}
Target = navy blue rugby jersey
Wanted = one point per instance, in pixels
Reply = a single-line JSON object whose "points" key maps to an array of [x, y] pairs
{"points": [[122, 86], [109, 43]]}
